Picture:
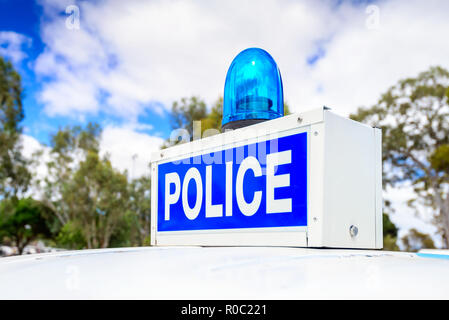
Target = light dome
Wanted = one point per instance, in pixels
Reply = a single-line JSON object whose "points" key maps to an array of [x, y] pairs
{"points": [[253, 90]]}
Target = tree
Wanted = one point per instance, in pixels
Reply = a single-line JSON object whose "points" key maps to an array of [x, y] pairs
{"points": [[98, 198], [186, 111], [140, 207], [390, 233], [89, 197], [14, 175], [286, 109], [69, 146], [28, 222], [414, 118], [214, 117], [71, 236], [183, 115], [415, 240], [190, 110]]}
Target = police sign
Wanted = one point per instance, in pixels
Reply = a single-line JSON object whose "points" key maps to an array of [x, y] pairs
{"points": [[258, 186]]}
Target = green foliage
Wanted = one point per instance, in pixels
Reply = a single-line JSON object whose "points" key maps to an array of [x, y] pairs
{"points": [[188, 110], [14, 175], [286, 109], [389, 228], [390, 243], [415, 240], [71, 237], [414, 118], [27, 222], [140, 207], [10, 100], [147, 240], [213, 119], [439, 159], [97, 195], [390, 232], [95, 204], [126, 232]]}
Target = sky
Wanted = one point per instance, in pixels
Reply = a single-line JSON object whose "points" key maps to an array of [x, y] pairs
{"points": [[123, 63]]}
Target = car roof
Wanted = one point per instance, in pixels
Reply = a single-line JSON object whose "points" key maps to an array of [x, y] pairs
{"points": [[225, 273]]}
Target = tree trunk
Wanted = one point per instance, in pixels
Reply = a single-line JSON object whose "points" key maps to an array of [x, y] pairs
{"points": [[20, 249], [21, 246], [443, 206], [444, 212]]}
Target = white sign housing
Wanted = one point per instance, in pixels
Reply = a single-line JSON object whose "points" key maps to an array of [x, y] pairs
{"points": [[312, 179]]}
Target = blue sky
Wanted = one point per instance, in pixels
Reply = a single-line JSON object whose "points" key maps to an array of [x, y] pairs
{"points": [[129, 60], [26, 18], [23, 17]]}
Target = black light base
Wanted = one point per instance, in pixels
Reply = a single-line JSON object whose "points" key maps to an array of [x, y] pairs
{"points": [[240, 124]]}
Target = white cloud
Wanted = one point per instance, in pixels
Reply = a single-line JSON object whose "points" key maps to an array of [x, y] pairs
{"points": [[362, 63], [128, 149], [406, 217], [142, 51], [39, 169], [12, 45], [30, 145]]}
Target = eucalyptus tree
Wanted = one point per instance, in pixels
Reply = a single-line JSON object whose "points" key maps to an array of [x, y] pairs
{"points": [[414, 117], [14, 174], [89, 197]]}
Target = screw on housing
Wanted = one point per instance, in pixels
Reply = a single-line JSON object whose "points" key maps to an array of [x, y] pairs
{"points": [[353, 231]]}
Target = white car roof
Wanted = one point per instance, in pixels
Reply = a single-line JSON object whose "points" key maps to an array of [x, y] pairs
{"points": [[225, 273]]}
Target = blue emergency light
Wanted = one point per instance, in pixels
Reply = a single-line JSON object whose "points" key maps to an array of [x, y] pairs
{"points": [[253, 90]]}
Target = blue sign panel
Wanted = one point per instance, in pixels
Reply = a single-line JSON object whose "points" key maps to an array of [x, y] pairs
{"points": [[253, 186]]}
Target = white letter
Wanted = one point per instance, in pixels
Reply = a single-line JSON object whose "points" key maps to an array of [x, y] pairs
{"points": [[194, 174], [248, 209], [211, 210], [228, 189], [273, 182], [171, 198]]}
